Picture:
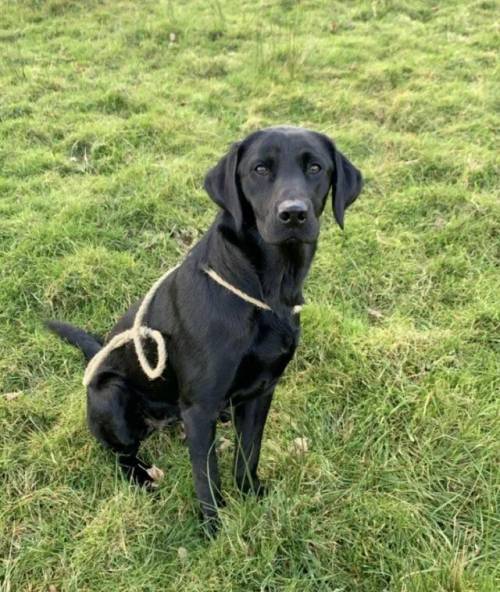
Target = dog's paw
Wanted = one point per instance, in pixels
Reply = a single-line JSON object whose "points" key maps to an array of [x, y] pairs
{"points": [[261, 490], [140, 473], [255, 487], [211, 526], [155, 473]]}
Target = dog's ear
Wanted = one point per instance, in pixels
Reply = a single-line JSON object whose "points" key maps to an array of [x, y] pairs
{"points": [[221, 184], [347, 183]]}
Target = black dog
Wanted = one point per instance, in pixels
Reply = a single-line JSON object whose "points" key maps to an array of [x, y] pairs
{"points": [[223, 352]]}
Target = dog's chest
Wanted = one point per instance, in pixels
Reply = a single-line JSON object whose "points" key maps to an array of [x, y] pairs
{"points": [[269, 352]]}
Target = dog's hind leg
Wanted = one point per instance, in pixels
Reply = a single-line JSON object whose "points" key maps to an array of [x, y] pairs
{"points": [[116, 420]]}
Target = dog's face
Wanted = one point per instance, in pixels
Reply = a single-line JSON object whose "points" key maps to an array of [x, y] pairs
{"points": [[278, 179]]}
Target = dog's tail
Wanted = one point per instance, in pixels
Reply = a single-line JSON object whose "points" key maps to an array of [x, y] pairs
{"points": [[88, 344]]}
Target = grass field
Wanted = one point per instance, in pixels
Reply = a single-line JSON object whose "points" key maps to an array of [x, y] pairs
{"points": [[110, 113]]}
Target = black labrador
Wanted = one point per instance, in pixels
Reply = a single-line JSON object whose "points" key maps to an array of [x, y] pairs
{"points": [[224, 353]]}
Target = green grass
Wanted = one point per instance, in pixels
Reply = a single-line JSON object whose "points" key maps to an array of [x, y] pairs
{"points": [[110, 113]]}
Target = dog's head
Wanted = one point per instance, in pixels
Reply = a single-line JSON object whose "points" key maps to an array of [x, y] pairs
{"points": [[278, 179]]}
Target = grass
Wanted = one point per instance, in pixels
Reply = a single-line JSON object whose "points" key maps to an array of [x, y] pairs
{"points": [[110, 113]]}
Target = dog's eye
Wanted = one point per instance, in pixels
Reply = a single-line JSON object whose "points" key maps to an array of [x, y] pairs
{"points": [[261, 169], [313, 169]]}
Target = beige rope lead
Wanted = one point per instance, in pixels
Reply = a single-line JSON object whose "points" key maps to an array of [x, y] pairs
{"points": [[217, 278], [139, 332], [258, 303], [136, 334]]}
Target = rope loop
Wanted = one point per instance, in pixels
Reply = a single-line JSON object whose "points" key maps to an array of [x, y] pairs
{"points": [[161, 351], [140, 332]]}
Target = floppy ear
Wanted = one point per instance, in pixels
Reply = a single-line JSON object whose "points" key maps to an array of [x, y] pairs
{"points": [[347, 183], [221, 184]]}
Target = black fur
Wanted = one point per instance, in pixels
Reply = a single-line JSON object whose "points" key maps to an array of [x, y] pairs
{"points": [[225, 355]]}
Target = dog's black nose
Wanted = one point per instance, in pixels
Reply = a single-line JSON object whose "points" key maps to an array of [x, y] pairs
{"points": [[292, 212]]}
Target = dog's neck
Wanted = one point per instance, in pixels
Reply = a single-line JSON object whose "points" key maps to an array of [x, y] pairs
{"points": [[275, 273]]}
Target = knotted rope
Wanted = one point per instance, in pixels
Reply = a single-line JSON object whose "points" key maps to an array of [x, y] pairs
{"points": [[137, 333], [140, 332]]}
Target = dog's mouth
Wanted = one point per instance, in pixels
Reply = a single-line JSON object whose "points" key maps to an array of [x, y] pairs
{"points": [[292, 239], [280, 236], [275, 234]]}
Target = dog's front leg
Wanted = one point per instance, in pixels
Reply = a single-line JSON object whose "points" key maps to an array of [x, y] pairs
{"points": [[249, 421], [199, 424]]}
